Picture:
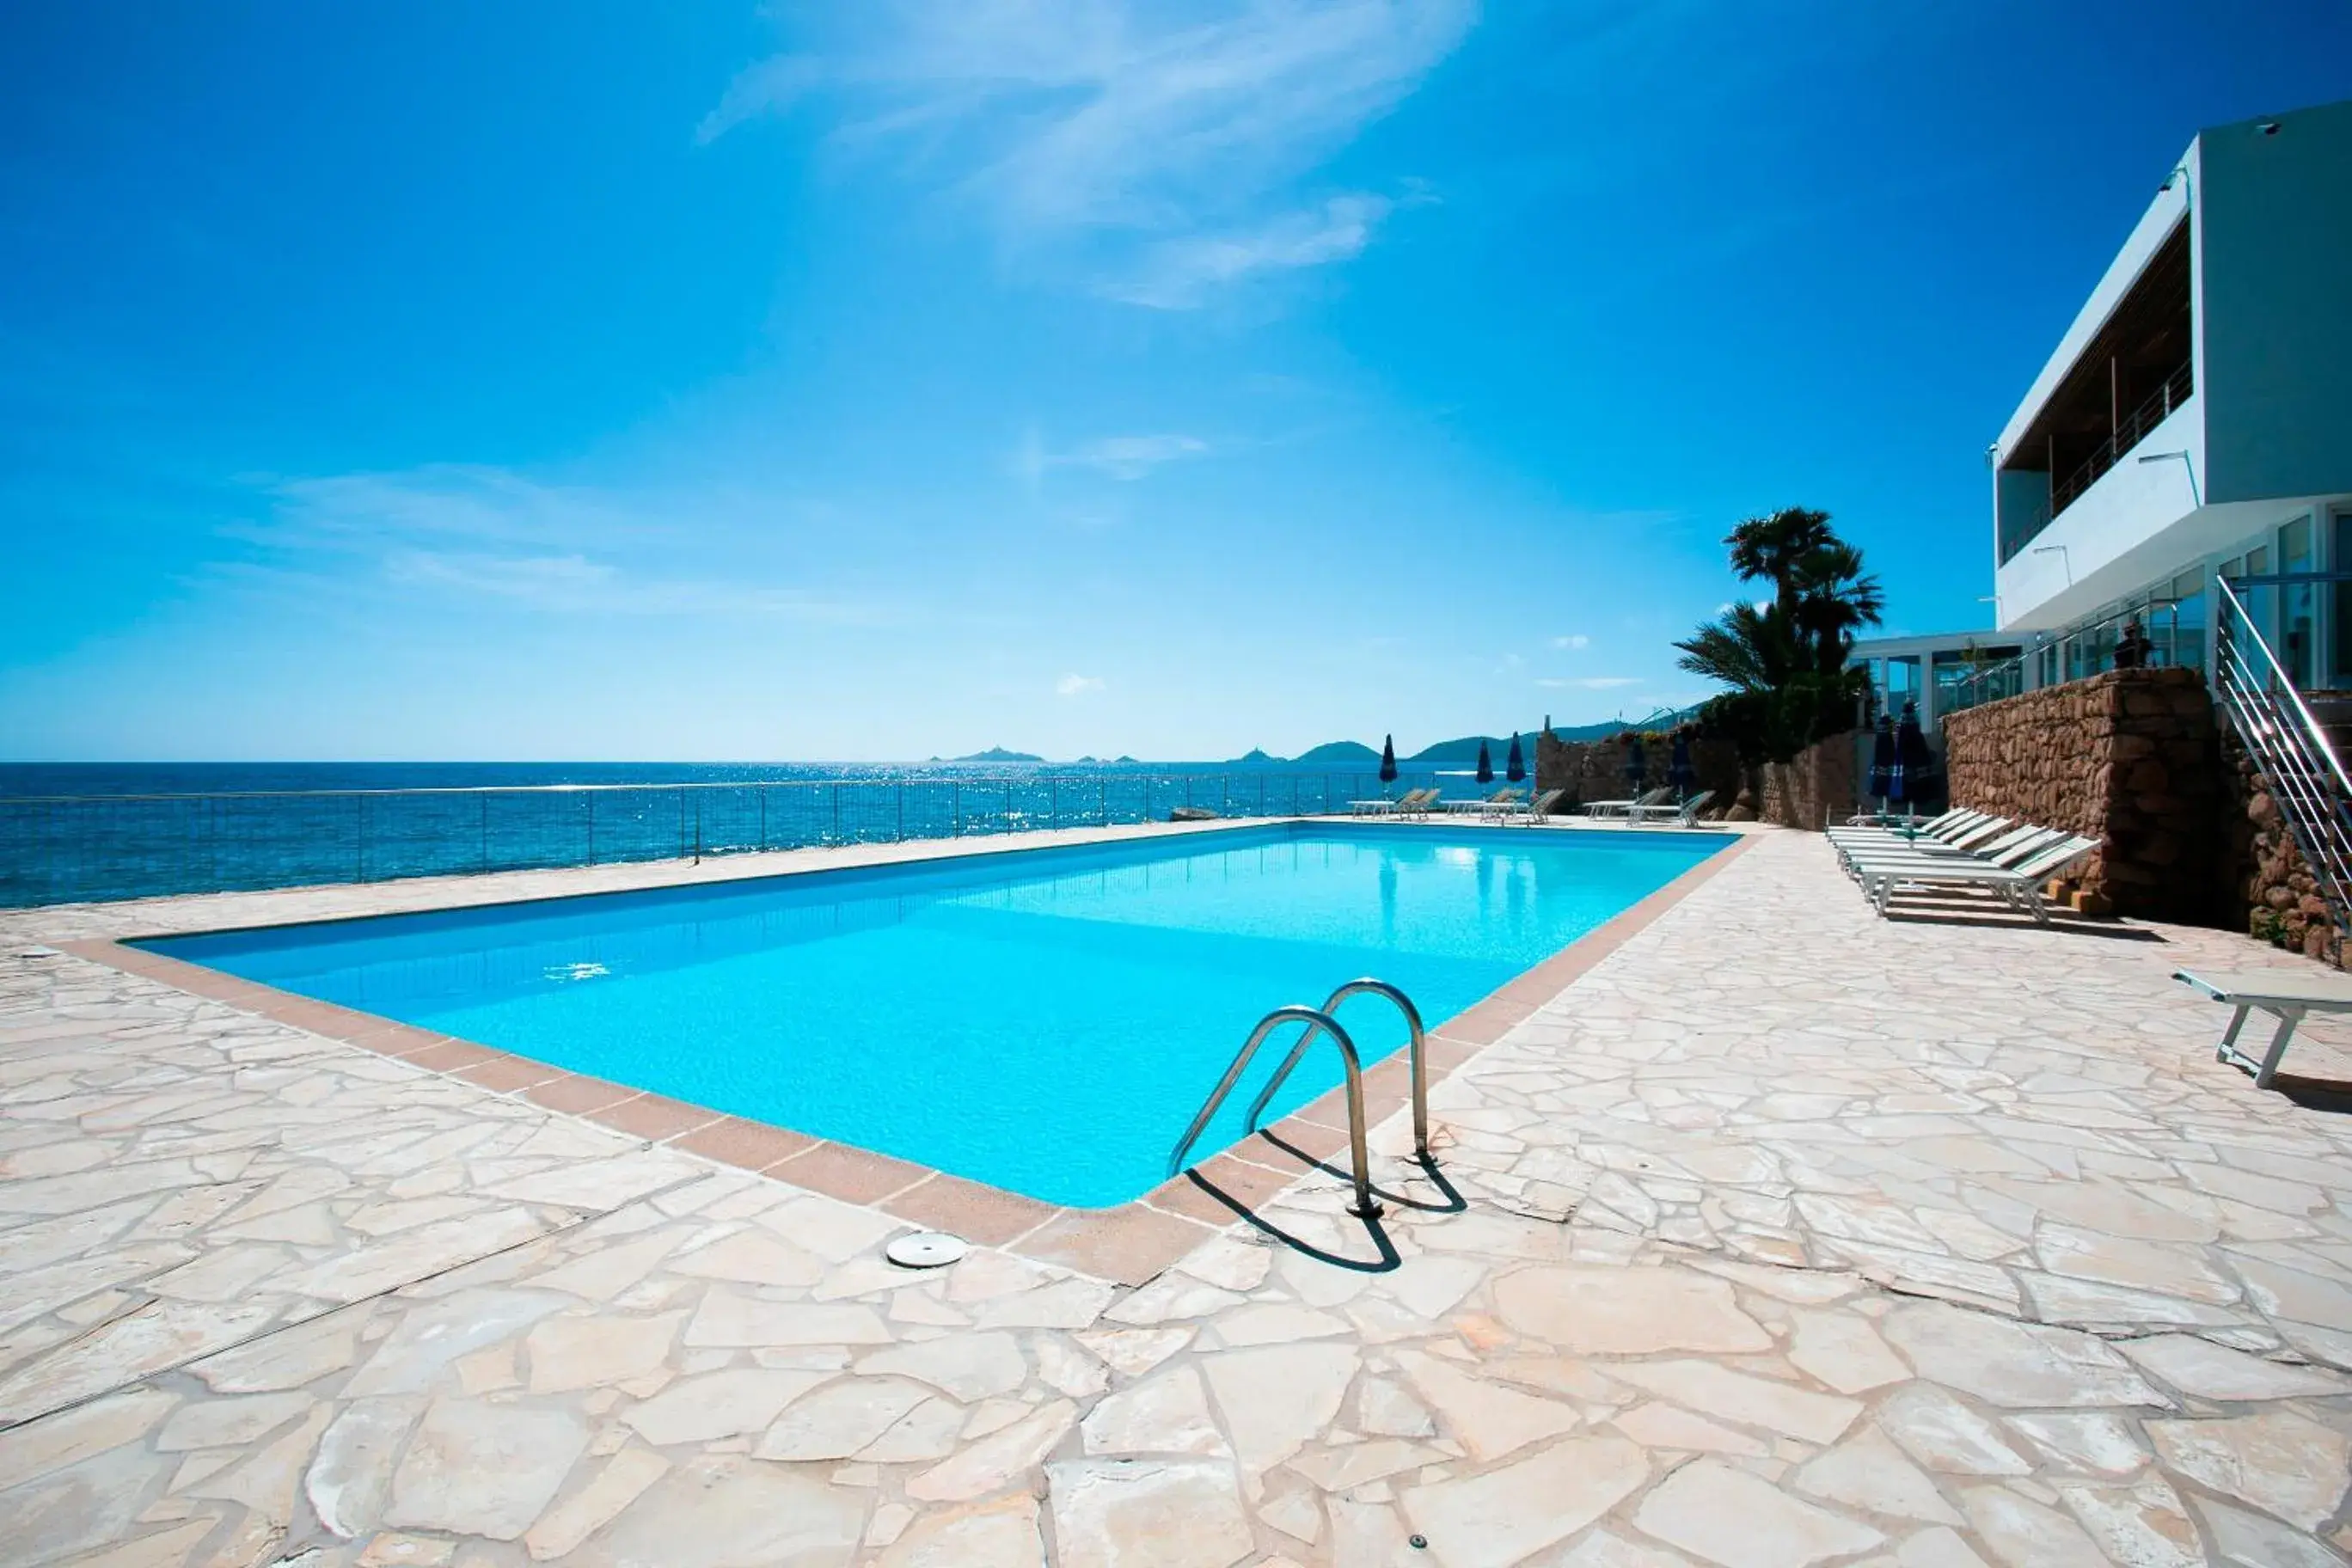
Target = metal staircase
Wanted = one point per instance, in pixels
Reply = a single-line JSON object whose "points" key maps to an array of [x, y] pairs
{"points": [[2290, 748]]}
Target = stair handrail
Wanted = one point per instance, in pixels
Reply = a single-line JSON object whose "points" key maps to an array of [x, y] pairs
{"points": [[2286, 742], [2279, 680], [1317, 1022], [1417, 1050]]}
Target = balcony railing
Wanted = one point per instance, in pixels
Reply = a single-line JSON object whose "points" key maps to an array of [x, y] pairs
{"points": [[2129, 433], [2019, 530]]}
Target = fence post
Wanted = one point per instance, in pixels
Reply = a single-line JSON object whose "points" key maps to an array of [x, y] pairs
{"points": [[681, 824], [592, 828], [957, 785], [486, 830], [698, 827], [358, 845], [901, 836], [762, 792]]}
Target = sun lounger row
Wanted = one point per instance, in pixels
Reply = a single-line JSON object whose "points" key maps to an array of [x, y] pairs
{"points": [[1658, 804], [1504, 805], [1963, 849]]}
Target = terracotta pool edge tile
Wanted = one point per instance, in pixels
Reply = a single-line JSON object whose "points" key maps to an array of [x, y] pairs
{"points": [[506, 1074], [1131, 1244], [742, 1142], [848, 1173], [656, 1117], [992, 1216], [563, 1087]]}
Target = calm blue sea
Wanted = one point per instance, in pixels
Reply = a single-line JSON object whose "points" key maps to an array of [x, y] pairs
{"points": [[73, 832]]}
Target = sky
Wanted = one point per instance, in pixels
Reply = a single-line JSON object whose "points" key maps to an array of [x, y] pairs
{"points": [[826, 382]]}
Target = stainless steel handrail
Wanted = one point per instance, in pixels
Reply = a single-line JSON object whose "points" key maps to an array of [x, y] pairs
{"points": [[1316, 1021], [2278, 681], [1367, 985], [2289, 749]]}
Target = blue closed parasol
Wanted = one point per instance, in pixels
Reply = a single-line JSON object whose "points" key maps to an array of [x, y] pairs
{"points": [[1486, 765], [1388, 759], [1516, 768], [1911, 757], [1881, 759], [1637, 765], [1679, 772]]}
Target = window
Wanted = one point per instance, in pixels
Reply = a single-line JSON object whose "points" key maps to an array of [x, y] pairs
{"points": [[2340, 595], [2188, 621], [2298, 607]]}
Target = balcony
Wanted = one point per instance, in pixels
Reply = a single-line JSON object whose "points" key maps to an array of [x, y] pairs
{"points": [[2131, 376]]}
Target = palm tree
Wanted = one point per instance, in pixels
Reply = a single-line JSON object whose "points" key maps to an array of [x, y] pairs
{"points": [[1767, 548], [1834, 598], [1784, 660]]}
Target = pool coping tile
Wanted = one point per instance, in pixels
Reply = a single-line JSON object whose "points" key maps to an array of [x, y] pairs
{"points": [[973, 1210], [848, 1172], [1129, 1243], [739, 1142], [656, 1117]]}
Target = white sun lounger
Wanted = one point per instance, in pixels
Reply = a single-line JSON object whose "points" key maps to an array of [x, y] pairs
{"points": [[1948, 827], [1627, 808], [2013, 848], [1971, 836], [1668, 811], [2021, 885], [2290, 995]]}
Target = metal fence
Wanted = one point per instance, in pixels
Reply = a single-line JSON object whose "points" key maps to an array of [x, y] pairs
{"points": [[77, 848]]}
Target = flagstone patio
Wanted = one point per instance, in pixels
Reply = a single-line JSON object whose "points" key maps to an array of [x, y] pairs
{"points": [[1784, 1236]]}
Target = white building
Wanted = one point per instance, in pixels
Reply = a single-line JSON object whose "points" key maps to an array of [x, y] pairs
{"points": [[2196, 419]]}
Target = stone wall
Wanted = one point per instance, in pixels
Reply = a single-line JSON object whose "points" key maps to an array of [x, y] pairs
{"points": [[2129, 758], [1814, 790], [2267, 889], [1595, 770]]}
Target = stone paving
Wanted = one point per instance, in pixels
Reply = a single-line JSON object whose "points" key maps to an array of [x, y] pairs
{"points": [[1783, 1237]]}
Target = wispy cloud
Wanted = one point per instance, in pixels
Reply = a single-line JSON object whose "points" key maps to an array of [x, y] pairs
{"points": [[1575, 642], [1158, 140], [1180, 274], [1114, 457], [481, 534], [1591, 682], [1077, 685]]}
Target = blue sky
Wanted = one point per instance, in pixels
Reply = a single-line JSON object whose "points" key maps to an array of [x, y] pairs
{"points": [[701, 381]]}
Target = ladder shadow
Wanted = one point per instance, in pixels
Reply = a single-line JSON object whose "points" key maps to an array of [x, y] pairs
{"points": [[1390, 1260]]}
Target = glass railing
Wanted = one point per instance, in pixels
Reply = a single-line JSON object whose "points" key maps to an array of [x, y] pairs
{"points": [[89, 848]]}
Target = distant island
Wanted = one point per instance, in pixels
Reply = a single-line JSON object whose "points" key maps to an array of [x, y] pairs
{"points": [[1253, 757], [999, 755], [1463, 750], [1335, 752]]}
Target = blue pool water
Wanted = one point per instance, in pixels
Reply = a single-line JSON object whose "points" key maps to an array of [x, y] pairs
{"points": [[1046, 1021]]}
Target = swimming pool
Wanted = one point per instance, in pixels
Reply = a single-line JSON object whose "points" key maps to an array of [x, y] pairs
{"points": [[1045, 1021]]}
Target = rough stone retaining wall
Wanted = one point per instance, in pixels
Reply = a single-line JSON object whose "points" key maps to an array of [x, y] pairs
{"points": [[1816, 789], [2267, 889], [1595, 770], [2129, 757]]}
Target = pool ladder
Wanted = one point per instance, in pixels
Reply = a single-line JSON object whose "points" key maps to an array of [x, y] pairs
{"points": [[1319, 1021]]}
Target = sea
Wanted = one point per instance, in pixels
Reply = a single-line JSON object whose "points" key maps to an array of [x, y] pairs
{"points": [[85, 832]]}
